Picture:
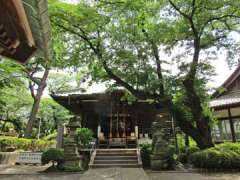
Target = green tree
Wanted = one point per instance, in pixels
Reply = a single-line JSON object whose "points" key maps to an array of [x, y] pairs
{"points": [[201, 26], [60, 82], [37, 71], [123, 42], [15, 99], [52, 114]]}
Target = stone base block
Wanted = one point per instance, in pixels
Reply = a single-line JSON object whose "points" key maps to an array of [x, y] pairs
{"points": [[157, 163]]}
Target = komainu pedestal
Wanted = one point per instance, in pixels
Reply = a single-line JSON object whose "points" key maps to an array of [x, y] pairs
{"points": [[162, 138], [72, 159]]}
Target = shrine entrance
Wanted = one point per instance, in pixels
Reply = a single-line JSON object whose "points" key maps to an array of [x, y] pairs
{"points": [[118, 129]]}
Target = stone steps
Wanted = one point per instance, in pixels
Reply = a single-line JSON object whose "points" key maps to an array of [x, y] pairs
{"points": [[114, 161], [116, 158], [116, 165]]}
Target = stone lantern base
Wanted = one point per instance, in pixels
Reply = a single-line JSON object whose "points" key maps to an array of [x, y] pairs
{"points": [[72, 159]]}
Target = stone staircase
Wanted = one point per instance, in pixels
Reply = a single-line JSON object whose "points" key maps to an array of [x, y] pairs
{"points": [[104, 158]]}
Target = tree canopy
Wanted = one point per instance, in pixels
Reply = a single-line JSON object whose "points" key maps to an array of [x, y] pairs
{"points": [[154, 49]]}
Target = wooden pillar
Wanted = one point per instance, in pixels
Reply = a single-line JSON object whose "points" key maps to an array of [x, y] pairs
{"points": [[99, 126], [136, 124], [231, 125], [111, 115], [117, 125], [136, 131], [124, 120]]}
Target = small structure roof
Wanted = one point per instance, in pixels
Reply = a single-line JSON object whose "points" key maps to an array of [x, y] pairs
{"points": [[232, 99], [231, 96]]}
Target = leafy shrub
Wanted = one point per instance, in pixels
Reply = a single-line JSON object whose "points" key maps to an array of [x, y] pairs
{"points": [[226, 156], [84, 136], [53, 155], [146, 151], [170, 156], [14, 143], [50, 136], [184, 155], [181, 143]]}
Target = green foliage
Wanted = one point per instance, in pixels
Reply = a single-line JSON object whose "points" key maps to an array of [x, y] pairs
{"points": [[50, 136], [170, 156], [181, 142], [11, 73], [60, 82], [123, 41], [15, 143], [15, 100], [146, 151], [52, 114], [223, 156], [84, 136], [53, 155], [185, 154]]}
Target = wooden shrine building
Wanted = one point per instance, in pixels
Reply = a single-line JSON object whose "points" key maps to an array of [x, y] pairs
{"points": [[113, 120], [226, 105]]}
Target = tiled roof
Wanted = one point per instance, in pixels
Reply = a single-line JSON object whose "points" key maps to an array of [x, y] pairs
{"points": [[231, 98]]}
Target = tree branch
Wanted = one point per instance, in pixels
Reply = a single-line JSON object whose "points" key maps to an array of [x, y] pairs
{"points": [[31, 87], [226, 16], [189, 18], [82, 36], [178, 10]]}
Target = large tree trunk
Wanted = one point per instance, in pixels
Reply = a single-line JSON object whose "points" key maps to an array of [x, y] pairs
{"points": [[36, 104], [203, 140], [202, 134]]}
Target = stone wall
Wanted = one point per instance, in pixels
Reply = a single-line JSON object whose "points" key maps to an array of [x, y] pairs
{"points": [[8, 157]]}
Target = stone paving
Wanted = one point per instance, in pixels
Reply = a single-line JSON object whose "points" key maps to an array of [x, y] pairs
{"points": [[24, 172], [193, 176]]}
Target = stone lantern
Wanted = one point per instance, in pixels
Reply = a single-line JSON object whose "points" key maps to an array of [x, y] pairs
{"points": [[162, 138], [72, 159]]}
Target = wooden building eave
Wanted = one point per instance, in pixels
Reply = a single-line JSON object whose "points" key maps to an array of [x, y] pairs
{"points": [[99, 102], [25, 30], [38, 17], [16, 39]]}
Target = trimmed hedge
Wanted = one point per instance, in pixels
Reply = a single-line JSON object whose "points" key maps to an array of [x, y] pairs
{"points": [[146, 151], [8, 143], [223, 156], [53, 155]]}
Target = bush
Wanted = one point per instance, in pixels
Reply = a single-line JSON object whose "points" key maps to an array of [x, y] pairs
{"points": [[50, 136], [8, 143], [170, 157], [84, 136], [184, 155], [225, 156], [146, 151], [53, 155], [181, 143]]}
